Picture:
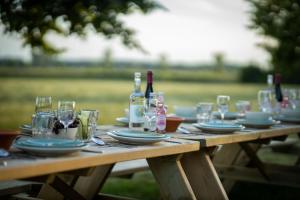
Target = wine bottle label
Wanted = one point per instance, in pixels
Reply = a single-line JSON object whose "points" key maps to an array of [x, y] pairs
{"points": [[136, 113]]}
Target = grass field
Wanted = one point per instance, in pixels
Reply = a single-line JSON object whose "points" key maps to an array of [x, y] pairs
{"points": [[110, 97], [17, 96]]}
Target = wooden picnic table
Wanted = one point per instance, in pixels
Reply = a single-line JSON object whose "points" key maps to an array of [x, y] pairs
{"points": [[81, 175], [239, 149], [183, 166]]}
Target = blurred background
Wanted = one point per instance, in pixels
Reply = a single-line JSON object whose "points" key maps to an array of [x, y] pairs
{"points": [[88, 52]]}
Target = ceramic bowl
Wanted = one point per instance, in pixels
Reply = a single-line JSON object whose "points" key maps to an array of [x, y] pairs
{"points": [[173, 123], [70, 134], [257, 116], [7, 137], [185, 111]]}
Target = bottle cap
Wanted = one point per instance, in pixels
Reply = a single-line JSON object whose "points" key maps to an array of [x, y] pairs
{"points": [[270, 79], [137, 74]]}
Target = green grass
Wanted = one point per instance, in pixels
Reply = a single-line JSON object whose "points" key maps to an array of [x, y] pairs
{"points": [[110, 97]]}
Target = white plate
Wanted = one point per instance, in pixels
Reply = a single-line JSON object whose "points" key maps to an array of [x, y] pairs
{"points": [[219, 127], [136, 140], [49, 142], [123, 120], [137, 134], [42, 151], [257, 124], [26, 129]]}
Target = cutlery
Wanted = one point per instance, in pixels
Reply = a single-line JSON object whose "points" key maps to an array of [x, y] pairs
{"points": [[184, 130], [98, 140], [3, 153]]}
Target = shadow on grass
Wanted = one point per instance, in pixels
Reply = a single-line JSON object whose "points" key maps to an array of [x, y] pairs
{"points": [[143, 186], [245, 191]]}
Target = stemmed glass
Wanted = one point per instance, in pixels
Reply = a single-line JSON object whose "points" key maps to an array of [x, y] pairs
{"points": [[66, 113], [223, 104], [43, 104], [265, 101]]}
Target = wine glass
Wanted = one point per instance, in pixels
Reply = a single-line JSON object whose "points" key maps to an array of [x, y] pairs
{"points": [[293, 98], [66, 113], [265, 100], [223, 104], [43, 104]]}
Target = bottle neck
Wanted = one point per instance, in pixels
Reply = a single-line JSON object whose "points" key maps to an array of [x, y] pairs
{"points": [[137, 85], [149, 77]]}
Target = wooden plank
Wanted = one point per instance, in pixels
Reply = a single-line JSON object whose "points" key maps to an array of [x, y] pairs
{"points": [[232, 154], [254, 159], [202, 176], [63, 188], [169, 174], [24, 168], [253, 175], [207, 140], [102, 196], [14, 187], [89, 186], [129, 167]]}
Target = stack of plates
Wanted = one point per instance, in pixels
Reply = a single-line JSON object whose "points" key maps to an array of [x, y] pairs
{"points": [[219, 127], [49, 146], [26, 129], [137, 137], [261, 124]]}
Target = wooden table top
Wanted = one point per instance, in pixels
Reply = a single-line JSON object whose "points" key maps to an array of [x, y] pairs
{"points": [[22, 165], [208, 139]]}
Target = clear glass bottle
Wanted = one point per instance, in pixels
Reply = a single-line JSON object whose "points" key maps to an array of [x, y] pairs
{"points": [[161, 114], [136, 104], [150, 113]]}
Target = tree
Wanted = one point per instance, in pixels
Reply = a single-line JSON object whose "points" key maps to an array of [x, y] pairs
{"points": [[107, 58], [279, 20], [219, 61], [34, 19]]}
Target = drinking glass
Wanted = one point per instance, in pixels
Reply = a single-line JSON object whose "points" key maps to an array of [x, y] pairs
{"points": [[43, 104], [265, 100], [242, 107], [66, 113], [88, 120], [150, 113], [223, 105], [293, 98], [204, 111], [42, 124]]}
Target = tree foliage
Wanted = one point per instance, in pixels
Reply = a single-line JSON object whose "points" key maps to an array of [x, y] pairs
{"points": [[279, 20], [34, 19]]}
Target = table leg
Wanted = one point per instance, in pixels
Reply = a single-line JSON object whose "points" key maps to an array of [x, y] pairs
{"points": [[169, 174], [202, 176], [85, 186]]}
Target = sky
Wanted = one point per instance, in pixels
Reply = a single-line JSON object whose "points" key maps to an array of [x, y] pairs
{"points": [[188, 32]]}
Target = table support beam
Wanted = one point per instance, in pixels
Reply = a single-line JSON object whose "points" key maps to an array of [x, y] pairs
{"points": [[203, 176], [170, 175]]}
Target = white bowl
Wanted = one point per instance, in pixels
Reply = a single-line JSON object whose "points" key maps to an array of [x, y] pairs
{"points": [[70, 134]]}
